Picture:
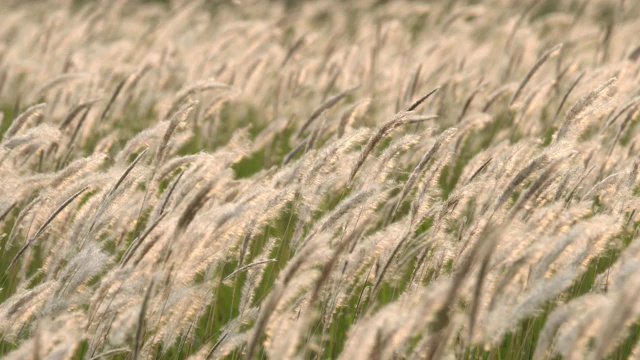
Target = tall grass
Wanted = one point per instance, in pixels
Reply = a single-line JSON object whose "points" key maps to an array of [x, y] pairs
{"points": [[356, 180]]}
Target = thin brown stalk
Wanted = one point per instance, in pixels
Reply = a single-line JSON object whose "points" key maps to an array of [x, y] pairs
{"points": [[325, 106], [8, 210], [630, 104], [60, 79], [498, 94], [139, 339], [216, 345], [108, 196], [137, 241], [589, 103], [194, 205], [530, 168], [383, 130], [477, 172], [566, 95], [413, 84], [296, 45], [546, 56], [196, 88], [518, 23], [44, 226], [420, 167], [248, 266], [538, 184], [113, 98], [16, 125], [109, 353], [168, 194], [422, 99], [468, 102]]}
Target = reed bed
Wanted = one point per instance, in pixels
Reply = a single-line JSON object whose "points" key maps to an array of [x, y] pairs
{"points": [[323, 179]]}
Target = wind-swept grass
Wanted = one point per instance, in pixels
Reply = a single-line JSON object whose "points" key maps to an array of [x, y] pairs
{"points": [[324, 179]]}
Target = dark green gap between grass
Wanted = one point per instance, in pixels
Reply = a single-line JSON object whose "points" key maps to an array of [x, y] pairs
{"points": [[9, 115]]}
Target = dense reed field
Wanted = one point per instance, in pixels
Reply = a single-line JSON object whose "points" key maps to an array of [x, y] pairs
{"points": [[323, 179]]}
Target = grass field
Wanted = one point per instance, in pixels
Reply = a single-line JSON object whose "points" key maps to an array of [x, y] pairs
{"points": [[321, 179]]}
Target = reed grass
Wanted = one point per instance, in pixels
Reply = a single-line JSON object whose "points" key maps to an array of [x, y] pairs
{"points": [[322, 179]]}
